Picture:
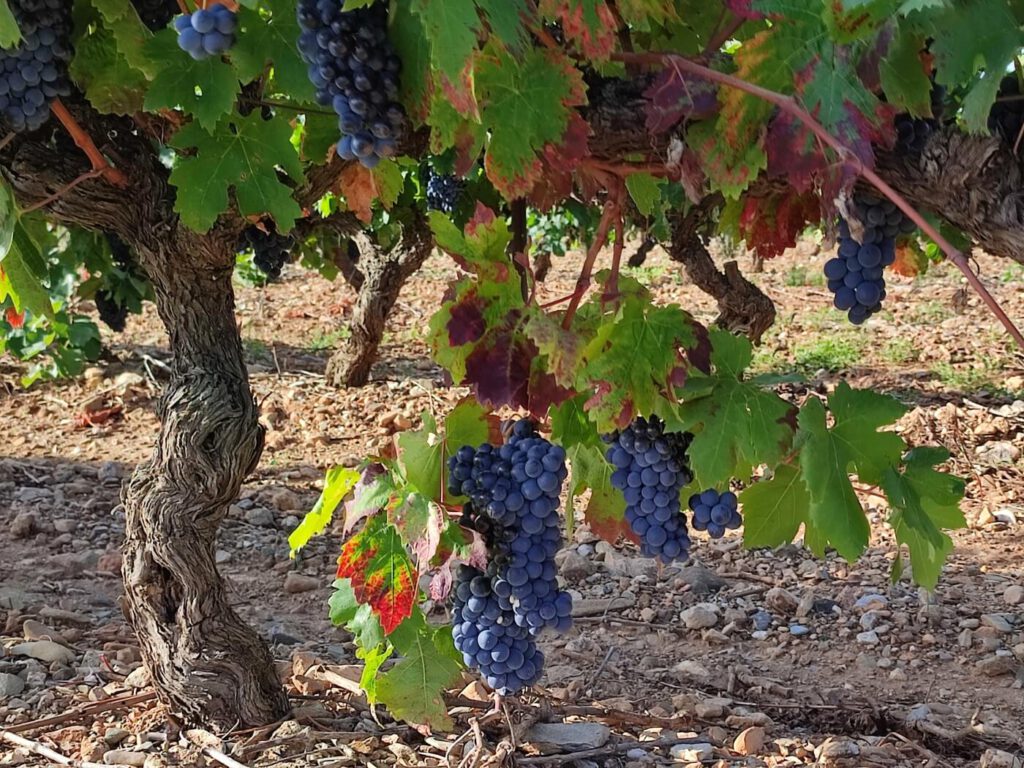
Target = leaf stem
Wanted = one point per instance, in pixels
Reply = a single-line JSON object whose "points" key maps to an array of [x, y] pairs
{"points": [[789, 105], [611, 208], [85, 143]]}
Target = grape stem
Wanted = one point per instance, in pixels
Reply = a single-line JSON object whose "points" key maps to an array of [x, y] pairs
{"points": [[184, 7], [789, 105], [612, 290], [85, 143], [611, 208]]}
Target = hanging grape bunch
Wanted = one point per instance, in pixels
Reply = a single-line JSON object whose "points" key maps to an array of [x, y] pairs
{"points": [[207, 32], [271, 250], [855, 275], [443, 191], [34, 72], [513, 495], [355, 71], [714, 512], [912, 133], [650, 469]]}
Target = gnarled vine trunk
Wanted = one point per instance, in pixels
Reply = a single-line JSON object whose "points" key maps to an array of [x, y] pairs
{"points": [[381, 277], [209, 664]]}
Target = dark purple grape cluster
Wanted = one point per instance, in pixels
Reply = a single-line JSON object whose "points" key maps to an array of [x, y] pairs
{"points": [[1007, 115], [443, 192], [856, 274], [514, 498], [486, 633], [912, 133], [35, 72], [651, 469], [355, 70], [714, 512], [207, 32], [156, 14], [111, 311], [271, 250]]}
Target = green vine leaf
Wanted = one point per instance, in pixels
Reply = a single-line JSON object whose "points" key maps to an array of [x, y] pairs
{"points": [[773, 510], [337, 485], [268, 35]]}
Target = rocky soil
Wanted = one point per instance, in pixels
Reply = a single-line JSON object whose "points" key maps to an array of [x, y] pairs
{"points": [[764, 658]]}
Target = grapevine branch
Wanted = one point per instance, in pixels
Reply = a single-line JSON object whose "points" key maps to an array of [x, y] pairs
{"points": [[790, 106], [611, 208], [85, 143], [64, 190]]}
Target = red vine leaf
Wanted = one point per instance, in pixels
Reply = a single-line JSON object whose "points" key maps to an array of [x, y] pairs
{"points": [[359, 189], [466, 322], [908, 261], [15, 318], [771, 224], [675, 95], [380, 571], [559, 163], [588, 23], [743, 9], [462, 95]]}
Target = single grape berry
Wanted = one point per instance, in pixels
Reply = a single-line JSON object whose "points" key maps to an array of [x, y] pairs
{"points": [[715, 512]]}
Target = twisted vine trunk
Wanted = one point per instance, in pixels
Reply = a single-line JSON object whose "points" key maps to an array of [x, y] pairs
{"points": [[381, 277], [208, 664]]}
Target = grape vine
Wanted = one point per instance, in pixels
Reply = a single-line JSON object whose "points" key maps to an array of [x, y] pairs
{"points": [[34, 73]]}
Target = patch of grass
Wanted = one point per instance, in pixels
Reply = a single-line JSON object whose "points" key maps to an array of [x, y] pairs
{"points": [[256, 350], [647, 274], [971, 378], [930, 312], [835, 352], [1012, 274], [900, 351], [330, 339], [801, 275]]}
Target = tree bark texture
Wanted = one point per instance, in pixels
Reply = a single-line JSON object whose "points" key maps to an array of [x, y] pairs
{"points": [[208, 666], [383, 273], [742, 306]]}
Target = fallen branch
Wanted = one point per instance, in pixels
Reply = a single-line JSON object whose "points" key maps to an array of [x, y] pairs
{"points": [[85, 709], [615, 749], [43, 751]]}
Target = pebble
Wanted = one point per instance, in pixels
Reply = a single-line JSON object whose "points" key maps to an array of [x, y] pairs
{"points": [[36, 630], [761, 620], [998, 452], [115, 736], [750, 741], [799, 630], [44, 650], [285, 500], [998, 622], [109, 473], [701, 616], [65, 525], [260, 516], [872, 602], [1014, 595], [709, 709], [575, 567], [996, 758], [10, 685], [700, 580], [636, 754], [24, 525], [994, 666], [781, 600], [568, 737], [867, 638], [692, 753], [124, 757], [759, 634], [869, 619], [294, 583]]}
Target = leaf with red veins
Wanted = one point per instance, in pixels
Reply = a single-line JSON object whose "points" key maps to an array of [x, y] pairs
{"points": [[675, 95], [380, 571], [560, 161], [499, 368], [793, 153], [512, 183], [590, 24], [772, 223], [462, 94], [482, 217]]}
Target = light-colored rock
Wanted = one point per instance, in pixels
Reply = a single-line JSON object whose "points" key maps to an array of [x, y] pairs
{"points": [[138, 678], [994, 666], [597, 606], [750, 741], [567, 737], [700, 616], [691, 669], [24, 525], [36, 630], [1013, 595], [260, 517], [832, 750], [996, 758], [114, 736], [872, 602], [998, 622], [709, 709], [10, 685], [998, 452], [867, 638], [781, 600], [285, 500], [124, 757], [294, 583], [575, 567], [701, 581], [44, 650], [65, 525], [692, 753]]}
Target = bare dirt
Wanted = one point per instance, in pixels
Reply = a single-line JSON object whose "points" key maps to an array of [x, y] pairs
{"points": [[746, 658]]}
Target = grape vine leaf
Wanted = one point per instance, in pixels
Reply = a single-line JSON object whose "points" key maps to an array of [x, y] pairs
{"points": [[771, 223], [337, 485], [373, 658], [469, 423], [851, 20], [18, 279], [411, 44], [130, 34], [421, 452], [526, 104], [207, 88], [589, 24], [606, 509], [358, 618], [562, 348], [505, 18], [674, 95], [268, 35], [111, 84], [858, 415], [924, 502], [740, 424], [904, 77], [245, 156], [452, 27], [10, 34], [645, 191], [412, 689], [381, 572], [773, 510]]}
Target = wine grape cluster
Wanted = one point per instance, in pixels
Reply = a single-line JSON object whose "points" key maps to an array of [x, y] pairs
{"points": [[355, 71], [207, 32], [34, 73], [714, 512], [651, 469], [271, 250], [1007, 115], [443, 192], [111, 312], [912, 133], [856, 274], [513, 495], [156, 14]]}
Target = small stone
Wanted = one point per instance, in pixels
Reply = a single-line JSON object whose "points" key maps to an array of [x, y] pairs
{"points": [[636, 754], [761, 620], [222, 556], [568, 737], [867, 638], [997, 758], [869, 620], [44, 650], [110, 562], [24, 525], [701, 580], [115, 736], [285, 499], [799, 630], [998, 452], [998, 622], [692, 753], [701, 616], [260, 516], [10, 685], [575, 567], [1013, 595], [918, 713], [127, 380], [109, 473], [781, 600], [648, 614], [138, 678], [36, 630], [691, 669], [872, 602], [65, 525], [832, 750], [759, 634], [294, 583], [750, 741], [124, 757], [709, 709], [994, 666], [965, 638]]}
